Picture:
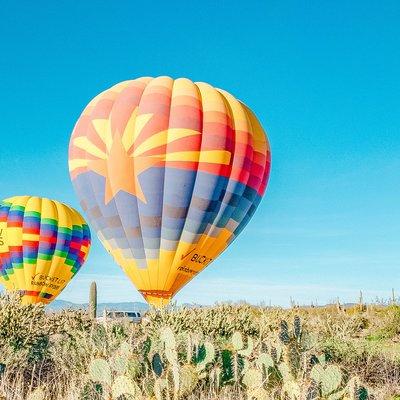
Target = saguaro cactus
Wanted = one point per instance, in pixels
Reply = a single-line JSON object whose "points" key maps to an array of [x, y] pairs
{"points": [[93, 300]]}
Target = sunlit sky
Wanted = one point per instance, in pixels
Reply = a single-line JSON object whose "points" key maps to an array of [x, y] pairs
{"points": [[323, 78]]}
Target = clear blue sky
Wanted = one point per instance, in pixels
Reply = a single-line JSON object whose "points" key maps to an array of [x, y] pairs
{"points": [[322, 76]]}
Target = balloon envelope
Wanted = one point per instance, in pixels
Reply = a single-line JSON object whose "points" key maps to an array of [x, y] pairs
{"points": [[169, 172], [43, 244]]}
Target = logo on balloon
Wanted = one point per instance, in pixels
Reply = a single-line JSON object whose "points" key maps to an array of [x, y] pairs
{"points": [[196, 258], [52, 282], [187, 270], [201, 259]]}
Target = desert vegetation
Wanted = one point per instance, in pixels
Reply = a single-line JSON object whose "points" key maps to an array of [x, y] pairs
{"points": [[228, 351]]}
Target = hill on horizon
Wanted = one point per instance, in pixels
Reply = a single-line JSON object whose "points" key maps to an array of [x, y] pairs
{"points": [[139, 306], [58, 305]]}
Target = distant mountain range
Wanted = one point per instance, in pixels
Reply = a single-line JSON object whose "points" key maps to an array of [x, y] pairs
{"points": [[57, 305]]}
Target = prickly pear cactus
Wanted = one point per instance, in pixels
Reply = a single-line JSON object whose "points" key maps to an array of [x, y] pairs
{"points": [[356, 391], [284, 333], [285, 372], [157, 364], [125, 349], [167, 336], [206, 356], [160, 386], [172, 355], [100, 371], [119, 364], [189, 378], [264, 362], [237, 341], [291, 390], [297, 327], [329, 378], [125, 386], [249, 349], [227, 373], [252, 379]]}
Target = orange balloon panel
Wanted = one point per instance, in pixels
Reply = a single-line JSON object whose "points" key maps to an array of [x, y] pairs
{"points": [[169, 172], [43, 244]]}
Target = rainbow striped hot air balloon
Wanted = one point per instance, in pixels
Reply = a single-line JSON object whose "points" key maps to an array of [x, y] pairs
{"points": [[169, 172], [43, 244]]}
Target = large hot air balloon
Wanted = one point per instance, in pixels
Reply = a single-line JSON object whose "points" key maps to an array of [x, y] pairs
{"points": [[43, 244], [169, 172]]}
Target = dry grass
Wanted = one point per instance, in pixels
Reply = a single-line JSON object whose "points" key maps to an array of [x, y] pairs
{"points": [[197, 354]]}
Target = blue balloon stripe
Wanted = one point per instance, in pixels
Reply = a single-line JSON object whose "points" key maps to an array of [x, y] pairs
{"points": [[217, 202]]}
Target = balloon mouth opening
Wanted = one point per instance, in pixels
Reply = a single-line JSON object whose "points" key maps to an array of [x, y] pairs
{"points": [[157, 298]]}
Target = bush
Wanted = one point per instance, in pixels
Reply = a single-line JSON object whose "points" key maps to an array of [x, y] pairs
{"points": [[23, 327], [228, 351]]}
